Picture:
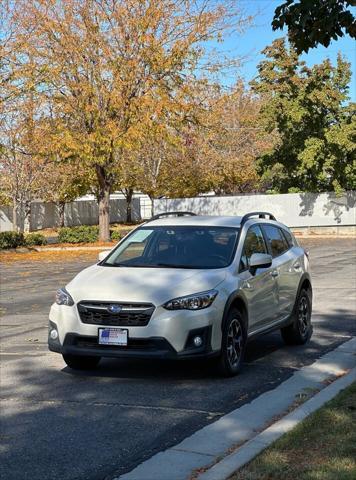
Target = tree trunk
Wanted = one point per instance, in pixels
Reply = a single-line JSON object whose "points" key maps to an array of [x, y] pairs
{"points": [[104, 215], [27, 216], [152, 206], [128, 195], [61, 207], [104, 204], [15, 227]]}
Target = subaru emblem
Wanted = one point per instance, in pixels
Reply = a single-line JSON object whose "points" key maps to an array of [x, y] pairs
{"points": [[114, 308]]}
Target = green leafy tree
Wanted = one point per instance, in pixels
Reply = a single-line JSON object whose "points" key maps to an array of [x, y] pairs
{"points": [[308, 109], [314, 22]]}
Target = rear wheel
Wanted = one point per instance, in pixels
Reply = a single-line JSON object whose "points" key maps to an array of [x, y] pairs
{"points": [[301, 329], [233, 344], [80, 362]]}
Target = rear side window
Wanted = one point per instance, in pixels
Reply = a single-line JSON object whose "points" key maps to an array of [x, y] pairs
{"points": [[289, 238], [277, 242]]}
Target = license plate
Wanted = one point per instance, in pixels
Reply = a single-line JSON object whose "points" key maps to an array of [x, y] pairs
{"points": [[113, 336]]}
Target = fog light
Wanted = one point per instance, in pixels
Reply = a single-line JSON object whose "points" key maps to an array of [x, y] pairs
{"points": [[198, 341], [53, 334]]}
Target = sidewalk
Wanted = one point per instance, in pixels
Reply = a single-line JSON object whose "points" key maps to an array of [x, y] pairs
{"points": [[312, 450], [202, 454]]}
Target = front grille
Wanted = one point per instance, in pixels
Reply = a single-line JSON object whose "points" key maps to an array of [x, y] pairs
{"points": [[131, 314]]}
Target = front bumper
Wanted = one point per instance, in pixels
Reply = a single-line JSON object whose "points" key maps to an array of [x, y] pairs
{"points": [[153, 347], [168, 330]]}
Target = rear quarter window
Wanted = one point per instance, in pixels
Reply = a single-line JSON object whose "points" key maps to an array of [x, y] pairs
{"points": [[289, 237]]}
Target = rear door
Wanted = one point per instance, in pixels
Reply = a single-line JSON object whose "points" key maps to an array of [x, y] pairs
{"points": [[295, 271], [286, 268], [259, 289]]}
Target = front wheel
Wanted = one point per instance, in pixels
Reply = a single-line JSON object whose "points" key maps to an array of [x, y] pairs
{"points": [[301, 329], [233, 344], [81, 362]]}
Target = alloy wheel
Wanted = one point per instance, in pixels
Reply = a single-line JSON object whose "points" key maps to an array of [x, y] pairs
{"points": [[234, 343], [303, 315]]}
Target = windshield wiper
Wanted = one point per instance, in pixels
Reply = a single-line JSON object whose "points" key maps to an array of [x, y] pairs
{"points": [[149, 265]]}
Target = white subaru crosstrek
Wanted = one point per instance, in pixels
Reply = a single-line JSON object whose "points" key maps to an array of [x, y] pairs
{"points": [[186, 286]]}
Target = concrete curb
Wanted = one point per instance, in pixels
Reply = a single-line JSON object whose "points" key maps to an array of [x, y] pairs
{"points": [[208, 445], [63, 249], [228, 466]]}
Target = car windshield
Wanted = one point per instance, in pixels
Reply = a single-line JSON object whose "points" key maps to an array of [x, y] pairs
{"points": [[176, 247]]}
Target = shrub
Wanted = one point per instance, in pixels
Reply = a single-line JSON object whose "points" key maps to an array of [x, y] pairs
{"points": [[11, 240], [115, 235], [80, 234], [35, 239]]}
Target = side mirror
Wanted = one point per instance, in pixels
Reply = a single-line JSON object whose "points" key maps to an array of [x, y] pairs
{"points": [[259, 260], [103, 254]]}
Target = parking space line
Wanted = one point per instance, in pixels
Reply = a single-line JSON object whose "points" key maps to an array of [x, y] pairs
{"points": [[112, 404]]}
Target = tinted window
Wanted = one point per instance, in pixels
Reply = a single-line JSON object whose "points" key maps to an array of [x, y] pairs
{"points": [[254, 243], [277, 242], [176, 247], [289, 238]]}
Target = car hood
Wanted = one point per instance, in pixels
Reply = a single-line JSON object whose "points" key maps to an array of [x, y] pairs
{"points": [[154, 285]]}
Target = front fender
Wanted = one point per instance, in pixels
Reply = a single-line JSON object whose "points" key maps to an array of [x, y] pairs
{"points": [[237, 298]]}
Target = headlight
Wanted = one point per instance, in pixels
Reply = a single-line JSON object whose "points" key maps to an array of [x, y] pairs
{"points": [[63, 297], [196, 301]]}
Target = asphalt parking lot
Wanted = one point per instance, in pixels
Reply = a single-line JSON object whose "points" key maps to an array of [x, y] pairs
{"points": [[57, 423]]}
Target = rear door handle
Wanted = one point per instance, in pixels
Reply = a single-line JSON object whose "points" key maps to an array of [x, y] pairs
{"points": [[296, 266], [274, 273]]}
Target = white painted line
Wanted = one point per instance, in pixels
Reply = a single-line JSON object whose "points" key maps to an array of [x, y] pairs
{"points": [[34, 399]]}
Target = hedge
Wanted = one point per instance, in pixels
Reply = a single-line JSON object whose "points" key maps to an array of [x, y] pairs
{"points": [[17, 239], [32, 239], [80, 234], [115, 235], [84, 234], [11, 240]]}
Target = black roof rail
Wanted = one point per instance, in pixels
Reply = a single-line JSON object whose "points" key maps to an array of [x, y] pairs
{"points": [[168, 214], [259, 214]]}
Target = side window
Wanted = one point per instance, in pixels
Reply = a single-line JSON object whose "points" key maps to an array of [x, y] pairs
{"points": [[254, 243], [289, 238], [276, 239]]}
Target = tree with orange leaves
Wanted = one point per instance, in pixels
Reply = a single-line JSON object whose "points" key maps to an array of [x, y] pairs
{"points": [[113, 69]]}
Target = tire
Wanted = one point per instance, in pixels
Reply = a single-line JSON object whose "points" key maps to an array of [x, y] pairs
{"points": [[79, 362], [301, 329], [233, 344]]}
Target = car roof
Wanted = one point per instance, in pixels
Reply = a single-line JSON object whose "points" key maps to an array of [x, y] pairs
{"points": [[231, 221], [197, 220]]}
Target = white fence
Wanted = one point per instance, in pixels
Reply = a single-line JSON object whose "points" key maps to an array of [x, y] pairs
{"points": [[80, 212], [294, 209]]}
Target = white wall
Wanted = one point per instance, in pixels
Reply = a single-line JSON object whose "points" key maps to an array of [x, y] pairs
{"points": [[80, 212], [294, 209]]}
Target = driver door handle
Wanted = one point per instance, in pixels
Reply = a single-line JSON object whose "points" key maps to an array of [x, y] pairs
{"points": [[274, 273]]}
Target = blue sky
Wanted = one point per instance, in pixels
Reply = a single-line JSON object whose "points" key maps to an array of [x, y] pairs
{"points": [[256, 37]]}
